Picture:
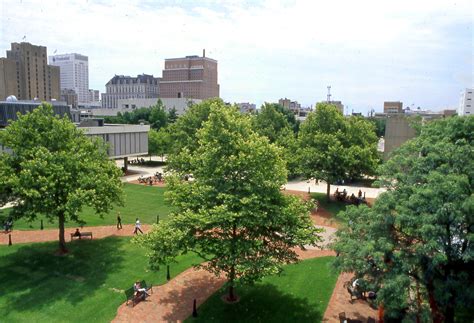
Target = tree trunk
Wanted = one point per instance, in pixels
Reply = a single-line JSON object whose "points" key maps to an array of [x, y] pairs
{"points": [[62, 240], [328, 191], [435, 313], [231, 297]]}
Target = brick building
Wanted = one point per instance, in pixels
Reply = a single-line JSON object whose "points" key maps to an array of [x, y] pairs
{"points": [[191, 77]]}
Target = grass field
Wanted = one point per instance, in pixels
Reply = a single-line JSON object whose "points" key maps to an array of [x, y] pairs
{"points": [[84, 286], [141, 201], [333, 207], [300, 294]]}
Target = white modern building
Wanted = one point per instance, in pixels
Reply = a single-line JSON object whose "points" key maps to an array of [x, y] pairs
{"points": [[466, 106], [74, 73]]}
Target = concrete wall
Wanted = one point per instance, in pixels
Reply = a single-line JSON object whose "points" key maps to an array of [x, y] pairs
{"points": [[397, 131], [123, 140]]}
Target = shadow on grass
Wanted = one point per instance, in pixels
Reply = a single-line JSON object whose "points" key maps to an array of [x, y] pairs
{"points": [[33, 278], [259, 303]]}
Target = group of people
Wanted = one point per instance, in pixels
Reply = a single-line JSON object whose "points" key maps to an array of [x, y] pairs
{"points": [[343, 197], [157, 178], [136, 161], [138, 225]]}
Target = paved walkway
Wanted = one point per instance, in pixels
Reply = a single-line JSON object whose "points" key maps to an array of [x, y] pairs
{"points": [[28, 236], [299, 185], [173, 302]]}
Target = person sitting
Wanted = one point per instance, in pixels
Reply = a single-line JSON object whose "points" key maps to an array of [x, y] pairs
{"points": [[77, 234], [359, 195], [139, 290], [336, 193]]}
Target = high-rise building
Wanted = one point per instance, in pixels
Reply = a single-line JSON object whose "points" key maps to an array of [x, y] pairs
{"points": [[390, 107], [70, 97], [191, 77], [126, 87], [74, 70], [293, 106], [94, 95], [466, 106], [25, 74]]}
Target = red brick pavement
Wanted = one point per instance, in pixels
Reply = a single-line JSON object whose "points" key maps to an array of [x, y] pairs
{"points": [[173, 302], [340, 302], [20, 236]]}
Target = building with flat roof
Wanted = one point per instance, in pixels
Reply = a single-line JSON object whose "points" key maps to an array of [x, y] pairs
{"points": [[246, 107], [74, 73], [466, 106], [25, 74], [142, 86], [70, 97], [10, 107], [392, 107], [191, 77]]}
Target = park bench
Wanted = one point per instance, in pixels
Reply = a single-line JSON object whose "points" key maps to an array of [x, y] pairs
{"points": [[133, 297], [83, 234]]}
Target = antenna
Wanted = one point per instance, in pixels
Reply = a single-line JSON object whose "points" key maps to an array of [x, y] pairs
{"points": [[329, 93]]}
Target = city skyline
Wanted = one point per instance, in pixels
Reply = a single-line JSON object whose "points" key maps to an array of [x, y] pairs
{"points": [[367, 51]]}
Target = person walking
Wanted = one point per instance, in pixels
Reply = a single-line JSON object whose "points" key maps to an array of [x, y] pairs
{"points": [[119, 221], [137, 227]]}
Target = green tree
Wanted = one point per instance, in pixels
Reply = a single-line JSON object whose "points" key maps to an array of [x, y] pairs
{"points": [[273, 124], [158, 117], [418, 246], [334, 148], [172, 115], [55, 170], [183, 131], [233, 213], [380, 124], [159, 142]]}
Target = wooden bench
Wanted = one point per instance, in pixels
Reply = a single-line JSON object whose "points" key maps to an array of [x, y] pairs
{"points": [[83, 234], [133, 297]]}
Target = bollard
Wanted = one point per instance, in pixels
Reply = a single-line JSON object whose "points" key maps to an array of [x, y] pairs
{"points": [[309, 189], [41, 227], [9, 239], [157, 219], [195, 313], [168, 277]]}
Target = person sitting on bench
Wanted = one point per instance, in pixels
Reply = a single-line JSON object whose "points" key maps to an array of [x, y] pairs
{"points": [[77, 234], [137, 287]]}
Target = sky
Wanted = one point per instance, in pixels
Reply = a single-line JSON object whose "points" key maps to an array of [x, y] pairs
{"points": [[418, 52]]}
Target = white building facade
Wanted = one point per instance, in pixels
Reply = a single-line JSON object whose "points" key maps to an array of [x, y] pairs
{"points": [[74, 73], [466, 106]]}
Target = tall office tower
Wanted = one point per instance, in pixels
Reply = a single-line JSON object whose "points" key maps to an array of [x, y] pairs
{"points": [[74, 70], [125, 87], [190, 77], [31, 77], [466, 106]]}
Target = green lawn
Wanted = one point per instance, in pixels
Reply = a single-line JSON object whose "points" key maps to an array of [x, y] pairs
{"points": [[300, 294], [141, 201], [85, 286], [333, 207]]}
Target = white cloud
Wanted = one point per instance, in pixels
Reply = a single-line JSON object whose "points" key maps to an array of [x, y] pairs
{"points": [[368, 50]]}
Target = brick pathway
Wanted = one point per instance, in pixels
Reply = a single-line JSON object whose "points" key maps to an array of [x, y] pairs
{"points": [[340, 302], [20, 236], [173, 302]]}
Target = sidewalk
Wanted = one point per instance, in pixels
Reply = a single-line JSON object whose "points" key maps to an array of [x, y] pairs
{"points": [[321, 187]]}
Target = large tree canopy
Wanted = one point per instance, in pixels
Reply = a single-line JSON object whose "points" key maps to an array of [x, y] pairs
{"points": [[274, 125], [55, 169], [233, 213], [334, 148], [417, 249]]}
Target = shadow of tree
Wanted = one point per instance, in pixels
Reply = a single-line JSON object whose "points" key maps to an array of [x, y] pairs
{"points": [[259, 303], [33, 278]]}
